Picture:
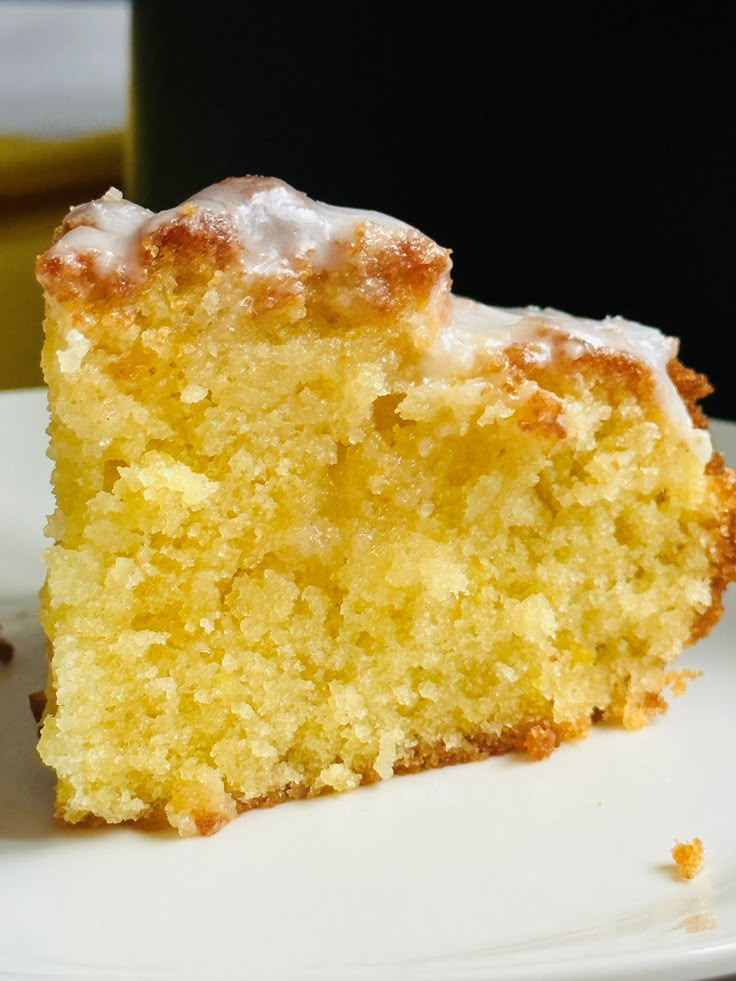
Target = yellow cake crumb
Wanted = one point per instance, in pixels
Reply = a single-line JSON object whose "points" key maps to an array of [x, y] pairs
{"points": [[688, 857]]}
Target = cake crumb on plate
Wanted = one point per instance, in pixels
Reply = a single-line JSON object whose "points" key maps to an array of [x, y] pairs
{"points": [[688, 857]]}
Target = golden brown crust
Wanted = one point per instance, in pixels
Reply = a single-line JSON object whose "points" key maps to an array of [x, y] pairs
{"points": [[541, 741], [391, 270], [66, 279], [543, 413], [618, 373], [724, 548], [692, 387], [388, 273], [202, 236], [536, 739], [388, 266]]}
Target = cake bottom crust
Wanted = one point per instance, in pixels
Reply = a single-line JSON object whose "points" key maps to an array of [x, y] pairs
{"points": [[535, 739]]}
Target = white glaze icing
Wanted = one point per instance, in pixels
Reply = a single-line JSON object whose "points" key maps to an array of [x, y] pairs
{"points": [[106, 229], [277, 226], [478, 331]]}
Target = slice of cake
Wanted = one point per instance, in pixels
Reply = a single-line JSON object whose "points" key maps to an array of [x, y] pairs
{"points": [[319, 522]]}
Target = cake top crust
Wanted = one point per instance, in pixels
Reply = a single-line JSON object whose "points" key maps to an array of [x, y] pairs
{"points": [[477, 333], [277, 234], [275, 225], [280, 237]]}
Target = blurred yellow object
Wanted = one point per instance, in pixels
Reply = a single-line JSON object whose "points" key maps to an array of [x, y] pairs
{"points": [[39, 180]]}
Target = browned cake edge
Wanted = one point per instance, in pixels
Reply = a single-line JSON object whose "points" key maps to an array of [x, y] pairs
{"points": [[536, 739], [692, 387]]}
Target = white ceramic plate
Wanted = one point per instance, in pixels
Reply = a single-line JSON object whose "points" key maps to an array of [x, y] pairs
{"points": [[501, 869]]}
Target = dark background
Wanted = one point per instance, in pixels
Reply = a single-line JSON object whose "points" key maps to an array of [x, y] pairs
{"points": [[587, 164]]}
